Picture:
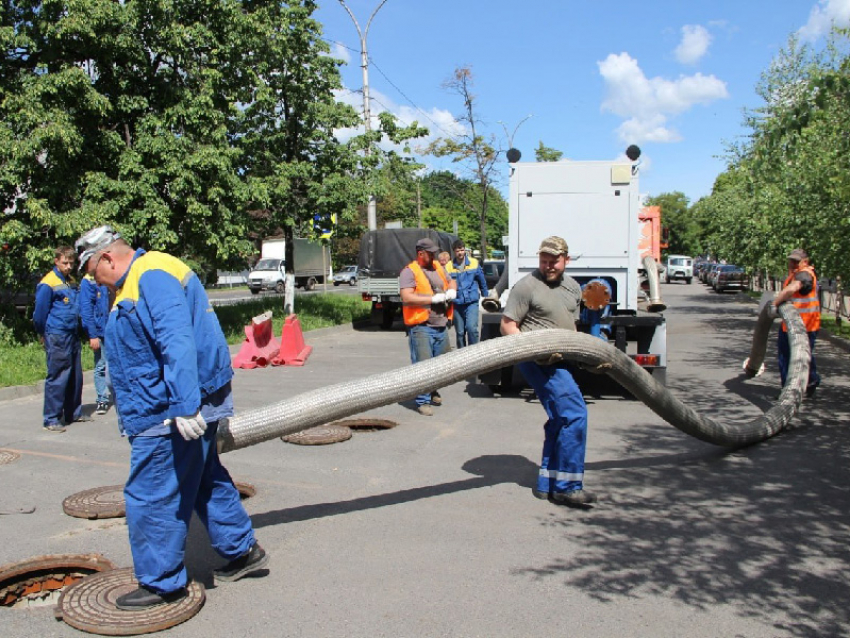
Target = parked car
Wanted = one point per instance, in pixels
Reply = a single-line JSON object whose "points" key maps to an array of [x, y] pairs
{"points": [[348, 275], [492, 272], [679, 267], [709, 274], [731, 277]]}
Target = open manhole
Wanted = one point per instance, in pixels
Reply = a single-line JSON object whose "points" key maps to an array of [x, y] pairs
{"points": [[7, 456], [38, 581], [108, 502], [89, 605], [319, 435], [366, 425]]}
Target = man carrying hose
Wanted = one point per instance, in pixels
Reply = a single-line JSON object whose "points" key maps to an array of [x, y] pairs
{"points": [[170, 368], [544, 299], [801, 289]]}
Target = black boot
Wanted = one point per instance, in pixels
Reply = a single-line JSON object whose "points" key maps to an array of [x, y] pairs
{"points": [[144, 598]]}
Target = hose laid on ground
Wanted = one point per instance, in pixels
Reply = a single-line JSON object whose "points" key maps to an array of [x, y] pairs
{"points": [[328, 404]]}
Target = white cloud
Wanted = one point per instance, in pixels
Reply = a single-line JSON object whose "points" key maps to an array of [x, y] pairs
{"points": [[823, 15], [646, 103], [439, 122], [694, 44], [341, 52]]}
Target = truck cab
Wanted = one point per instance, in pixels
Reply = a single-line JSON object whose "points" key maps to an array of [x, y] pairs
{"points": [[679, 267], [268, 274]]}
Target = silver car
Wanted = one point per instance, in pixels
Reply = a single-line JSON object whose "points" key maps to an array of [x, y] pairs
{"points": [[348, 275]]}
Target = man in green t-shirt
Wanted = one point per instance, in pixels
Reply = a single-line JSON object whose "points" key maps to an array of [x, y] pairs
{"points": [[544, 299]]}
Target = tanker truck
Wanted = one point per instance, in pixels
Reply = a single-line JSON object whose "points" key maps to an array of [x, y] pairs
{"points": [[595, 206]]}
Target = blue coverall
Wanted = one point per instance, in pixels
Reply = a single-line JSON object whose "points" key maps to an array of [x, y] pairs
{"points": [[168, 358], [56, 319], [94, 310]]}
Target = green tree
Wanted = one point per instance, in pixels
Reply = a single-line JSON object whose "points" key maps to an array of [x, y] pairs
{"points": [[547, 154], [472, 148]]}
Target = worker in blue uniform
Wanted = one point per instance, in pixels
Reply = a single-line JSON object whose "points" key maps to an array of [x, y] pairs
{"points": [[57, 319], [471, 286], [170, 369], [544, 299], [94, 310]]}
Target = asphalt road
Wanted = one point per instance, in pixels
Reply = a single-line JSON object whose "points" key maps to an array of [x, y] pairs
{"points": [[430, 528]]}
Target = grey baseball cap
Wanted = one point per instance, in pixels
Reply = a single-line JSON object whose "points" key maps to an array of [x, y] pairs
{"points": [[798, 254], [427, 245], [93, 241]]}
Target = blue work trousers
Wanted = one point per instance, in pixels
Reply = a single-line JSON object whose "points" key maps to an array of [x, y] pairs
{"points": [[63, 387], [783, 350], [169, 478], [426, 343], [565, 433], [100, 385], [466, 324]]}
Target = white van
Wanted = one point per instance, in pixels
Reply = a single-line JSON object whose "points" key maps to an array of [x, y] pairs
{"points": [[679, 267]]}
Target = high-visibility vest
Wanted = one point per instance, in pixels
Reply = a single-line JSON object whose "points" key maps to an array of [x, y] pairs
{"points": [[414, 315], [807, 305]]}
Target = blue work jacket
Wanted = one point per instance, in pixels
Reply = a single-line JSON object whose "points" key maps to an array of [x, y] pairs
{"points": [[94, 307], [166, 348], [470, 278], [56, 305]]}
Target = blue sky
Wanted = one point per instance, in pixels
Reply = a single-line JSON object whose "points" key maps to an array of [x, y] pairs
{"points": [[673, 77]]}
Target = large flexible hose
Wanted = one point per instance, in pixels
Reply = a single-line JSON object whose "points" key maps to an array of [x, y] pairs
{"points": [[345, 399], [655, 304]]}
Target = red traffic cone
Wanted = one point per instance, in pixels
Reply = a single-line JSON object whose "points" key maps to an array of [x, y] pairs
{"points": [[293, 350]]}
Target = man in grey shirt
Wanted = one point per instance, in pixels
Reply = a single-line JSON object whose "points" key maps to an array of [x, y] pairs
{"points": [[542, 300]]}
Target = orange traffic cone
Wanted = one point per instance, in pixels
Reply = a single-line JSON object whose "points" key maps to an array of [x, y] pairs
{"points": [[293, 350]]}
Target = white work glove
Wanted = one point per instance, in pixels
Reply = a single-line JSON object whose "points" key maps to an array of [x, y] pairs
{"points": [[451, 294], [440, 297], [190, 427]]}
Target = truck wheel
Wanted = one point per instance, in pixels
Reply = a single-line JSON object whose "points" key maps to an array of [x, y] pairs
{"points": [[255, 291], [688, 280], [388, 316], [310, 284], [336, 283], [280, 287]]}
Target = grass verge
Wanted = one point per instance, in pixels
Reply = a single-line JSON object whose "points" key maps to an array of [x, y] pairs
{"points": [[26, 365]]}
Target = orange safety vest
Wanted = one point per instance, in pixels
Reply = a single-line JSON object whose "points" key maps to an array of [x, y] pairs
{"points": [[807, 305], [414, 315]]}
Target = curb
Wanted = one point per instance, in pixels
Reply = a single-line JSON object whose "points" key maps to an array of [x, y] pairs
{"points": [[12, 392]]}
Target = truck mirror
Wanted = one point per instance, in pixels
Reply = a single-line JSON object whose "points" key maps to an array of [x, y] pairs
{"points": [[633, 152], [513, 155]]}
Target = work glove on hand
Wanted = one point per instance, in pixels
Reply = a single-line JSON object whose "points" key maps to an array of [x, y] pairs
{"points": [[440, 297], [451, 294], [190, 427]]}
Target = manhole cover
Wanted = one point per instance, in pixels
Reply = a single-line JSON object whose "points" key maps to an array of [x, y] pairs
{"points": [[98, 502], [320, 435], [90, 606], [366, 425], [246, 490], [7, 456], [36, 582]]}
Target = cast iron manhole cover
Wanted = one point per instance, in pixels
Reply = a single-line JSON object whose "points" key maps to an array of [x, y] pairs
{"points": [[319, 435], [108, 502], [89, 606], [366, 425], [98, 502], [7, 456], [33, 582]]}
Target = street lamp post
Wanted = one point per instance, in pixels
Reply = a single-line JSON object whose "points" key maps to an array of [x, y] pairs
{"points": [[372, 216]]}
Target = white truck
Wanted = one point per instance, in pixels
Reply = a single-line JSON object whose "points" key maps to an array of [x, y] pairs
{"points": [[312, 263], [595, 206]]}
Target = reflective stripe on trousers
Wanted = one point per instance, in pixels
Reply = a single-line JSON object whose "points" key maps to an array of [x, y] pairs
{"points": [[565, 440]]}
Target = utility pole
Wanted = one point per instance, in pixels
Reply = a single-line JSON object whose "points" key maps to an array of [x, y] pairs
{"points": [[371, 216]]}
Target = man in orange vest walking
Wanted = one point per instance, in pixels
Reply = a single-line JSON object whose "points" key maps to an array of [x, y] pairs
{"points": [[427, 293], [801, 289]]}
